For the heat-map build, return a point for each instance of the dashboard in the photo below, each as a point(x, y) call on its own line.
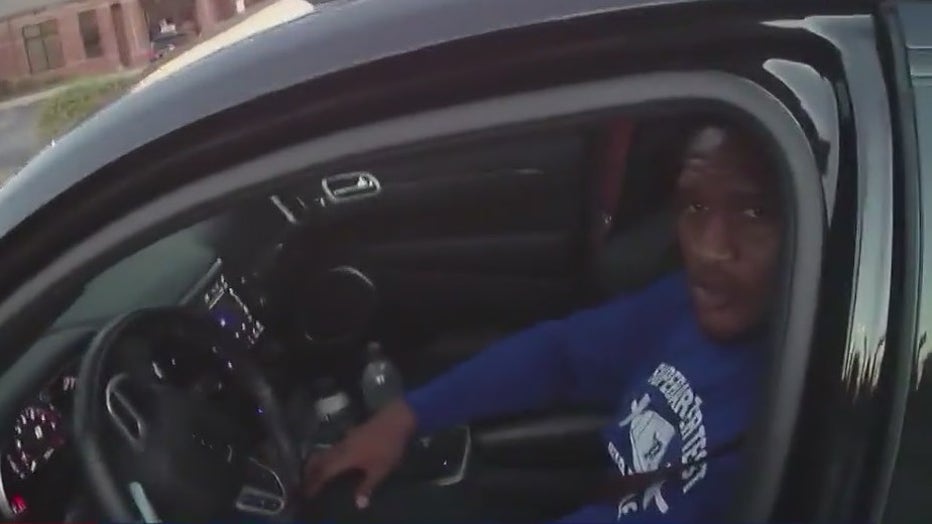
point(38, 459)
point(215, 266)
point(39, 438)
point(299, 320)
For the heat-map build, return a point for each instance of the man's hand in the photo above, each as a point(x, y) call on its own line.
point(373, 449)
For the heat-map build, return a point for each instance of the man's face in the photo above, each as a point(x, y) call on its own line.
point(730, 228)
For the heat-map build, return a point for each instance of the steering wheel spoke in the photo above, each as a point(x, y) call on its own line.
point(125, 411)
point(263, 492)
point(142, 503)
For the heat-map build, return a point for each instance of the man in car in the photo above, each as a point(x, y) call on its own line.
point(679, 362)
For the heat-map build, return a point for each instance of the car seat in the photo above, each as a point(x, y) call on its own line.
point(633, 236)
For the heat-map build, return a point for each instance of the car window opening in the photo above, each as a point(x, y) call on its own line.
point(573, 320)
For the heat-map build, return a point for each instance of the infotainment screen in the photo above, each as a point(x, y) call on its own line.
point(231, 313)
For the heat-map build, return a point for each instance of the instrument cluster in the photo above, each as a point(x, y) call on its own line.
point(37, 445)
point(38, 462)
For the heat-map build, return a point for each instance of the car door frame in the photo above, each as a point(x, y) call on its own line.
point(199, 197)
point(901, 43)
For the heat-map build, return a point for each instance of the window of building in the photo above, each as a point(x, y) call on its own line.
point(90, 34)
point(43, 46)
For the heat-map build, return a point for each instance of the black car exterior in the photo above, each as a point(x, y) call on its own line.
point(854, 76)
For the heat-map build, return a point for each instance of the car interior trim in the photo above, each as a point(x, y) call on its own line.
point(513, 434)
point(350, 270)
point(896, 29)
point(247, 490)
point(142, 502)
point(349, 187)
point(209, 277)
point(460, 472)
point(112, 397)
point(288, 214)
point(6, 509)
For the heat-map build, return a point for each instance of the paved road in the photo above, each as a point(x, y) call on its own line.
point(18, 137)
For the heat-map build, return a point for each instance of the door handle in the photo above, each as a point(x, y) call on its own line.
point(350, 186)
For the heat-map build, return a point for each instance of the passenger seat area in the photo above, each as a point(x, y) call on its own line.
point(633, 235)
point(630, 239)
point(553, 459)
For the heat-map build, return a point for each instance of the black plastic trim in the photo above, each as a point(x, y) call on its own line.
point(899, 70)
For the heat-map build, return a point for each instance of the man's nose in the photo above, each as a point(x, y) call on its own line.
point(714, 242)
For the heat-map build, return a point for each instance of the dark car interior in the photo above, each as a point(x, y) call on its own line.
point(430, 256)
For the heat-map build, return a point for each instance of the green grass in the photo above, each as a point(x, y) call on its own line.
point(25, 86)
point(67, 108)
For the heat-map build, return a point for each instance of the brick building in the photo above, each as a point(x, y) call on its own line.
point(62, 38)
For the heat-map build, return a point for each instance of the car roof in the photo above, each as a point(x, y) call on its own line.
point(270, 61)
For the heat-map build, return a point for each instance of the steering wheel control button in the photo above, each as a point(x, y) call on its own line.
point(251, 500)
point(214, 447)
point(261, 502)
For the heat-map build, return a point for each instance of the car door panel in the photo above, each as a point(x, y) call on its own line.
point(542, 441)
point(467, 236)
point(456, 299)
point(531, 254)
point(519, 199)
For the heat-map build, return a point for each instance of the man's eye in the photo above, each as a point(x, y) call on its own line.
point(694, 207)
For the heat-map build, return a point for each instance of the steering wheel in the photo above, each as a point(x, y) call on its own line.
point(157, 450)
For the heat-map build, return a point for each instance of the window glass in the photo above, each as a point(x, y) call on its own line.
point(55, 52)
point(43, 46)
point(35, 51)
point(49, 27)
point(90, 34)
point(31, 31)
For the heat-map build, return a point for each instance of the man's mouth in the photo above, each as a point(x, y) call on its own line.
point(710, 297)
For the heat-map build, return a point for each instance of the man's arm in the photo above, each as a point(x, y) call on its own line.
point(583, 358)
point(587, 357)
point(522, 372)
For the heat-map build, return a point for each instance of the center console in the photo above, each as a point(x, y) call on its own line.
point(228, 309)
point(218, 296)
point(322, 412)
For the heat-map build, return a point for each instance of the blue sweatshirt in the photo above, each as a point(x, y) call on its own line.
point(676, 395)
